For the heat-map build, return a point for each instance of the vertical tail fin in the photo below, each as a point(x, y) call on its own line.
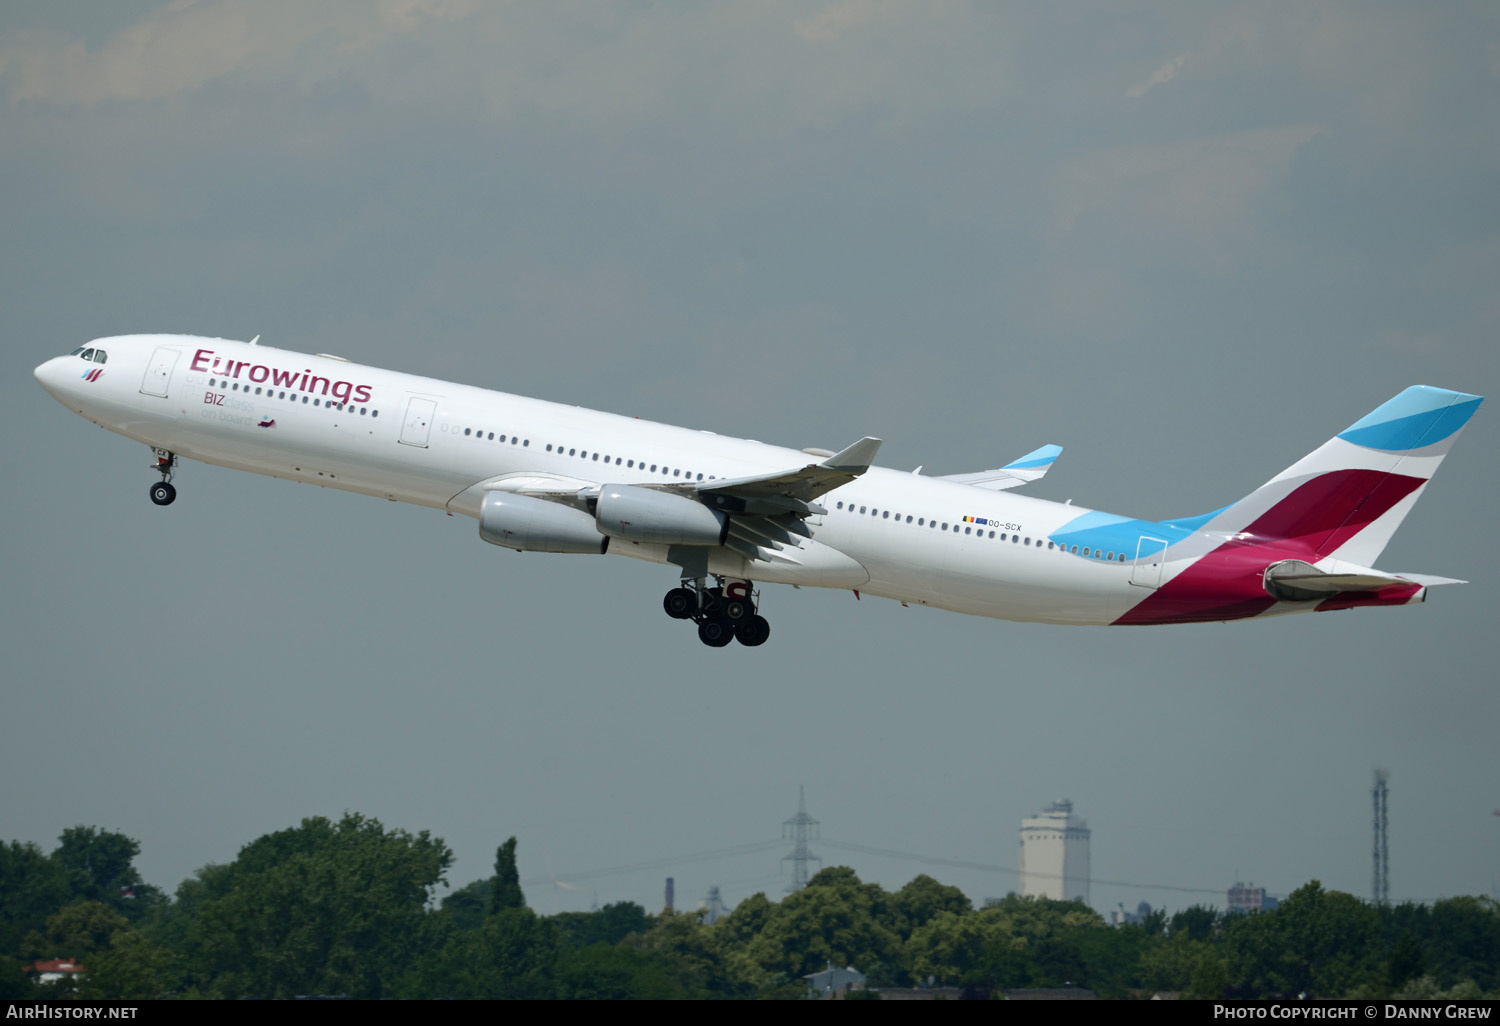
point(1347, 497)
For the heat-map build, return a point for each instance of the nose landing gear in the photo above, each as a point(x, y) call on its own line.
point(723, 614)
point(163, 493)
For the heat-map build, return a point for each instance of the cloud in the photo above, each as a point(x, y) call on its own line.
point(838, 19)
point(1160, 76)
point(189, 43)
point(1198, 194)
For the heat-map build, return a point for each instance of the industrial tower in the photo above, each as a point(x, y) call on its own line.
point(1055, 854)
point(1382, 886)
point(800, 828)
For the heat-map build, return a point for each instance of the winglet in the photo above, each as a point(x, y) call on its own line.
point(1038, 459)
point(856, 459)
point(1030, 467)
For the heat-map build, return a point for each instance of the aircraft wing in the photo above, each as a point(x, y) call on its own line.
point(1028, 468)
point(770, 508)
point(792, 490)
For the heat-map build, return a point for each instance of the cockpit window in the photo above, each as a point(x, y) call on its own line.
point(88, 354)
point(100, 356)
point(76, 351)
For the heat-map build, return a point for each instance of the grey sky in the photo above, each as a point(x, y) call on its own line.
point(1187, 242)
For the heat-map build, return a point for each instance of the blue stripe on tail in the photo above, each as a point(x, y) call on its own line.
point(1419, 416)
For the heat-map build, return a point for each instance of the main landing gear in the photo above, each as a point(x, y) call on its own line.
point(723, 613)
point(166, 463)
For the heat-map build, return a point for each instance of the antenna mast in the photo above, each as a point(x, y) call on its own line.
point(1381, 854)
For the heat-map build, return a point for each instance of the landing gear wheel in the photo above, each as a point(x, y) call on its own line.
point(715, 633)
point(753, 631)
point(735, 610)
point(163, 493)
point(680, 604)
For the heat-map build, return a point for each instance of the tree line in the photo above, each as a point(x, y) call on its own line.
point(349, 907)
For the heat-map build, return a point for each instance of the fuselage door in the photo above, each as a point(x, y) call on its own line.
point(159, 372)
point(418, 423)
point(1150, 555)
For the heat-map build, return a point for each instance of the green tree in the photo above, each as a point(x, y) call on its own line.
point(507, 887)
point(609, 925)
point(1048, 942)
point(101, 867)
point(130, 968)
point(1196, 922)
point(1464, 941)
point(1210, 978)
point(607, 972)
point(471, 903)
point(686, 951)
point(76, 931)
point(731, 938)
point(15, 985)
point(922, 898)
point(169, 925)
point(32, 887)
point(1110, 957)
point(1406, 963)
point(1170, 965)
point(324, 908)
point(510, 955)
point(950, 946)
point(835, 918)
point(1321, 943)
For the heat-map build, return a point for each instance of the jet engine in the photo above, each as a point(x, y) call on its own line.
point(647, 515)
point(536, 525)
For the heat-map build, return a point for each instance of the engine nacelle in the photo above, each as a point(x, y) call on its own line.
point(536, 525)
point(647, 515)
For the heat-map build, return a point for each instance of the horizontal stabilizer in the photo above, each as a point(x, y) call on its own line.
point(1028, 468)
point(1429, 580)
point(1293, 580)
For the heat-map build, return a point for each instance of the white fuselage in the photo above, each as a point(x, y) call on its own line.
point(227, 403)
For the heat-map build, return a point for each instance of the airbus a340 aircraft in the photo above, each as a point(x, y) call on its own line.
point(543, 477)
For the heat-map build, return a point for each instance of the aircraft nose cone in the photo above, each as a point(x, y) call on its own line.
point(51, 374)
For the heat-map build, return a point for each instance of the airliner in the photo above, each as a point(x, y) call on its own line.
point(728, 513)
